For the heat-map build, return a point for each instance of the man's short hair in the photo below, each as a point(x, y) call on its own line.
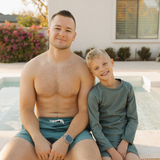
point(95, 53)
point(64, 13)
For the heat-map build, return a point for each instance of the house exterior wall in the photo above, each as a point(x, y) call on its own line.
point(96, 26)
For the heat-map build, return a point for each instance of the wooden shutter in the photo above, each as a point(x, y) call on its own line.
point(126, 19)
point(148, 19)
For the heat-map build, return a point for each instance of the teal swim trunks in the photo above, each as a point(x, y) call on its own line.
point(53, 129)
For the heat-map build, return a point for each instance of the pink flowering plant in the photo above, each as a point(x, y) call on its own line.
point(18, 45)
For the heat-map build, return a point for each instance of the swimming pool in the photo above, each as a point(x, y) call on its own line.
point(148, 106)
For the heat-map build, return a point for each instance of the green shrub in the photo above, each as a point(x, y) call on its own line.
point(27, 21)
point(79, 53)
point(144, 53)
point(18, 45)
point(111, 52)
point(123, 53)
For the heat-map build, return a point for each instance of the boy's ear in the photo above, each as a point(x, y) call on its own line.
point(112, 61)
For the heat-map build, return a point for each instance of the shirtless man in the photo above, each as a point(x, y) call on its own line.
point(58, 83)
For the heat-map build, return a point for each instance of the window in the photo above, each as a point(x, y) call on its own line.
point(137, 19)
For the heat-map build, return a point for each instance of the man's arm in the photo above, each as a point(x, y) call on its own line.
point(27, 102)
point(81, 119)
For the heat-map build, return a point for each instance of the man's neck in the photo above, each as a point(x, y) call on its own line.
point(58, 56)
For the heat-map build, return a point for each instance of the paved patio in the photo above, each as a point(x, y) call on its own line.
point(147, 141)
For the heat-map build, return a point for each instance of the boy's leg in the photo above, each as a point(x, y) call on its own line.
point(18, 149)
point(131, 156)
point(86, 149)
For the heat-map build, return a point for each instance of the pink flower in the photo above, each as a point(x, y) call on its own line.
point(4, 32)
point(37, 44)
point(7, 24)
point(15, 32)
point(12, 40)
point(42, 35)
point(22, 37)
point(14, 46)
point(29, 34)
point(25, 44)
point(23, 32)
point(5, 39)
point(20, 28)
point(4, 56)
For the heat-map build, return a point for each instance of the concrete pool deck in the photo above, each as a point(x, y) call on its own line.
point(146, 141)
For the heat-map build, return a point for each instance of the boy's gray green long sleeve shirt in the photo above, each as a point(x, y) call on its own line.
point(112, 114)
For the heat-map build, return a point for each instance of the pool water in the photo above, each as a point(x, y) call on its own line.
point(148, 107)
point(9, 106)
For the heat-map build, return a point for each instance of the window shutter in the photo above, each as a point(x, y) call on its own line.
point(126, 19)
point(148, 19)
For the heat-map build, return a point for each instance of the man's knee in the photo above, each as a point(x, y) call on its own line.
point(106, 158)
point(86, 149)
point(17, 148)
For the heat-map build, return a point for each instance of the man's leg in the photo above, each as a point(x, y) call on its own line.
point(131, 156)
point(18, 149)
point(86, 149)
point(106, 158)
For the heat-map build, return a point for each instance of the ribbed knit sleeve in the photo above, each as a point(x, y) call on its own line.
point(132, 118)
point(96, 128)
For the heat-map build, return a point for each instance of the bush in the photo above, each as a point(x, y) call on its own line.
point(79, 53)
point(144, 53)
point(110, 52)
point(18, 45)
point(124, 53)
point(27, 21)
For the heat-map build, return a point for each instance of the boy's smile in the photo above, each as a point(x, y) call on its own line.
point(105, 73)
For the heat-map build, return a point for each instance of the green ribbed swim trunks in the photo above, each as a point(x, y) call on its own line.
point(53, 129)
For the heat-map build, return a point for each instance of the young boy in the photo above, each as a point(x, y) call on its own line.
point(112, 110)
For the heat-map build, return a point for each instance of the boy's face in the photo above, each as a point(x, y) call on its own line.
point(101, 67)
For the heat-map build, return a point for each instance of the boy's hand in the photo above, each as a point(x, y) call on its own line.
point(114, 154)
point(122, 148)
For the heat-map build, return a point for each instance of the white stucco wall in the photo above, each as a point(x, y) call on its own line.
point(96, 26)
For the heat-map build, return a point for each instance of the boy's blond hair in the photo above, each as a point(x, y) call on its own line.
point(95, 53)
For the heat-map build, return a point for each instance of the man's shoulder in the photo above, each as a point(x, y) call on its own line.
point(78, 60)
point(34, 63)
point(80, 64)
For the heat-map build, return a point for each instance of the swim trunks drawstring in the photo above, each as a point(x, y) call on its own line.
point(58, 120)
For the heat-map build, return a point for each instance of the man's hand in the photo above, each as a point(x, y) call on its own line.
point(59, 150)
point(42, 147)
point(122, 148)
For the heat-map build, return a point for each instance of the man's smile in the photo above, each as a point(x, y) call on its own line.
point(60, 39)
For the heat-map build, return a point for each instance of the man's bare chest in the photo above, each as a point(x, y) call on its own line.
point(64, 81)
